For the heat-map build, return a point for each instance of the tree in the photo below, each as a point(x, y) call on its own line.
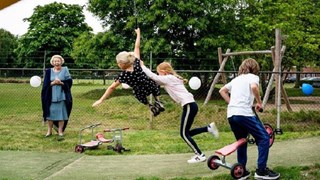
point(190, 31)
point(186, 32)
point(97, 51)
point(8, 42)
point(53, 29)
point(298, 21)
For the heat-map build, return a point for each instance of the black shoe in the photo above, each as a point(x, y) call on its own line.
point(48, 135)
point(266, 174)
point(155, 111)
point(245, 175)
point(61, 137)
point(159, 105)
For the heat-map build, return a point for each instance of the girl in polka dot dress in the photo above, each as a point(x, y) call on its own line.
point(134, 76)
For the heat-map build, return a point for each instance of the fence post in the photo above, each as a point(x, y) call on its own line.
point(44, 63)
point(151, 117)
point(279, 78)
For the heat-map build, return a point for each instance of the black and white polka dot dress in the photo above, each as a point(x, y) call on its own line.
point(141, 84)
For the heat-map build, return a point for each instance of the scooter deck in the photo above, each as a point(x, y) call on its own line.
point(101, 138)
point(225, 151)
point(91, 144)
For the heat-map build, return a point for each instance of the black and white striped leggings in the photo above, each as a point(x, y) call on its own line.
point(190, 110)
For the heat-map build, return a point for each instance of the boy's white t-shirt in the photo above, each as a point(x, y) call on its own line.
point(241, 95)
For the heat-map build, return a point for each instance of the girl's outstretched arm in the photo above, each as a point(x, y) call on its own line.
point(137, 44)
point(108, 92)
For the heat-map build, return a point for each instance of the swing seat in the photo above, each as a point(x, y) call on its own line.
point(225, 151)
point(101, 138)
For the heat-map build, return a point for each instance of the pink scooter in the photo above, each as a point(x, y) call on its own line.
point(237, 170)
point(93, 144)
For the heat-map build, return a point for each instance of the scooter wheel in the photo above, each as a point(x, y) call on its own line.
point(79, 149)
point(211, 162)
point(237, 171)
point(119, 148)
point(270, 131)
point(251, 141)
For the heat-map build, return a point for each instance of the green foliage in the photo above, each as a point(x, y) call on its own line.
point(53, 29)
point(185, 31)
point(8, 43)
point(97, 51)
point(182, 31)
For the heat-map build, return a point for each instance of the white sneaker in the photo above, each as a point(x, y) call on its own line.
point(197, 158)
point(213, 130)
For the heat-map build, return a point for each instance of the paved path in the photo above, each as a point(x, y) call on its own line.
point(286, 153)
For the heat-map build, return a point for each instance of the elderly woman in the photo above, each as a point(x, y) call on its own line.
point(56, 96)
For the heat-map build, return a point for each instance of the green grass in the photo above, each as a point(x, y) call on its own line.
point(292, 173)
point(22, 129)
point(21, 120)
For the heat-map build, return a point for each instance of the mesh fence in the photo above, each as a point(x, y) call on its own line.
point(20, 103)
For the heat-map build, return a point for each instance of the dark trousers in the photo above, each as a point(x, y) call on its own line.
point(189, 112)
point(244, 125)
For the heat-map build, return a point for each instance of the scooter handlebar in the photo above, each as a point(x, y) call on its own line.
point(116, 129)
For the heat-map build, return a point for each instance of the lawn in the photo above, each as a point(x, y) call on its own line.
point(22, 128)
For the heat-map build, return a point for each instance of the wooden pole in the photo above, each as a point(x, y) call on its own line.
point(278, 78)
point(283, 91)
point(246, 53)
point(216, 78)
point(223, 76)
point(269, 87)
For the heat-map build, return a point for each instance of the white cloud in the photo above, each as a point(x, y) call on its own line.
point(11, 18)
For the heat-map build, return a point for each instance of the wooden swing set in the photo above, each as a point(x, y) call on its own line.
point(276, 53)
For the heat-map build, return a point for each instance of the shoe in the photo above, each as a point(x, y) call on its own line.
point(266, 174)
point(159, 105)
point(48, 135)
point(61, 137)
point(245, 175)
point(155, 111)
point(197, 158)
point(213, 130)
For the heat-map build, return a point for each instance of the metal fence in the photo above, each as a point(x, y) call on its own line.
point(20, 103)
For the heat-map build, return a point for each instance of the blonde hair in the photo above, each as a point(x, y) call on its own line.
point(167, 68)
point(125, 57)
point(249, 66)
point(56, 56)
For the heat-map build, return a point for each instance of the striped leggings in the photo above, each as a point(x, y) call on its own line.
point(189, 112)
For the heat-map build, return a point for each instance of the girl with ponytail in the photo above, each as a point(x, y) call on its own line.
point(174, 85)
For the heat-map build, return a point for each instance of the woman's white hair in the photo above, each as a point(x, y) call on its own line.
point(125, 57)
point(56, 56)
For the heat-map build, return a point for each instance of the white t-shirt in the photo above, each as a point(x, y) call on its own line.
point(241, 96)
point(173, 85)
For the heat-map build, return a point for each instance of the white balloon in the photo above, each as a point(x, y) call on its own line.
point(194, 83)
point(35, 81)
point(125, 86)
